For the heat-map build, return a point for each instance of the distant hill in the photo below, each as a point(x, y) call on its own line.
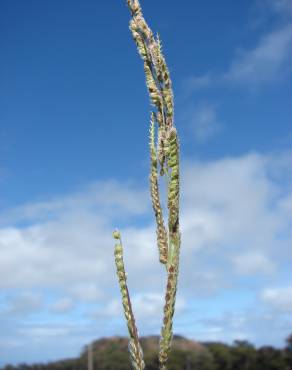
point(112, 354)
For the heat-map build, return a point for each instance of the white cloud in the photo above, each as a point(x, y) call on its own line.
point(242, 324)
point(253, 263)
point(107, 198)
point(86, 292)
point(147, 308)
point(198, 82)
point(52, 254)
point(68, 241)
point(226, 201)
point(226, 208)
point(145, 305)
point(40, 332)
point(62, 305)
point(279, 298)
point(150, 305)
point(283, 7)
point(22, 303)
point(266, 62)
point(203, 121)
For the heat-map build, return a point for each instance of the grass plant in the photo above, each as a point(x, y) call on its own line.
point(164, 162)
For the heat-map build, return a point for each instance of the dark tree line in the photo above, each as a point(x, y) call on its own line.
point(112, 354)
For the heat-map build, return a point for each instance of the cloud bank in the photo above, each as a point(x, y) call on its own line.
point(58, 275)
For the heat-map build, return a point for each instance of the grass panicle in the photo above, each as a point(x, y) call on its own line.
point(164, 162)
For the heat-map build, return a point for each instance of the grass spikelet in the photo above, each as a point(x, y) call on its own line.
point(136, 354)
point(162, 240)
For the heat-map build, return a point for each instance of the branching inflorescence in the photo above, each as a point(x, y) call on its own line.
point(164, 159)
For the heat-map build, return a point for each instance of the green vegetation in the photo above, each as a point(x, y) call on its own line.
point(111, 354)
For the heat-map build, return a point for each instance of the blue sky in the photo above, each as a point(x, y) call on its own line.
point(74, 117)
